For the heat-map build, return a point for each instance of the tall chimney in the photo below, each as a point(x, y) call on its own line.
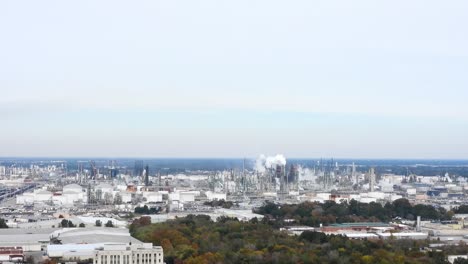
point(146, 175)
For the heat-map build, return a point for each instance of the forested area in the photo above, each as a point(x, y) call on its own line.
point(314, 214)
point(197, 239)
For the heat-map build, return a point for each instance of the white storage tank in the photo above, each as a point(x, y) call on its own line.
point(187, 197)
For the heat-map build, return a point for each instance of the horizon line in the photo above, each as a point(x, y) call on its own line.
point(224, 158)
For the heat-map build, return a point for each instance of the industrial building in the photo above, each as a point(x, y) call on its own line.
point(37, 239)
point(11, 254)
point(71, 194)
point(358, 227)
point(104, 253)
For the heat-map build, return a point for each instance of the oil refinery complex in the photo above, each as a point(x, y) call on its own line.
point(52, 207)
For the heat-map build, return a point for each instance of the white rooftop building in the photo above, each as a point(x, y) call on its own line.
point(215, 196)
point(107, 253)
point(37, 239)
point(153, 197)
point(70, 195)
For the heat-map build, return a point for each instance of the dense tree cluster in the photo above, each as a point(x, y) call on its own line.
point(462, 209)
point(197, 239)
point(220, 203)
point(66, 223)
point(145, 210)
point(314, 214)
point(109, 223)
point(3, 223)
point(460, 261)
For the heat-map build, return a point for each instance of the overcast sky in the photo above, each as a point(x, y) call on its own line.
point(213, 78)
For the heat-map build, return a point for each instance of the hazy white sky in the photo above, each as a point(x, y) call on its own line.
point(211, 78)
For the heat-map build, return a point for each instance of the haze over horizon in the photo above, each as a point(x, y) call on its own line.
point(361, 79)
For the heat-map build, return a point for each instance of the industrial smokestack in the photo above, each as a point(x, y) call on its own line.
point(372, 179)
point(354, 176)
point(418, 223)
point(146, 175)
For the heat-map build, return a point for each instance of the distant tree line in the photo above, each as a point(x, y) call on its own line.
point(314, 214)
point(146, 210)
point(422, 170)
point(462, 209)
point(219, 203)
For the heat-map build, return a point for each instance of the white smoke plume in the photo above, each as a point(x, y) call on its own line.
point(306, 174)
point(260, 164)
point(263, 162)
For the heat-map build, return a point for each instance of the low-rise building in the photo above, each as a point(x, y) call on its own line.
point(403, 235)
point(297, 230)
point(107, 253)
point(359, 227)
point(11, 254)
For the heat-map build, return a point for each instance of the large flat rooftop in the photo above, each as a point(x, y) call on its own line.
point(30, 236)
point(361, 224)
